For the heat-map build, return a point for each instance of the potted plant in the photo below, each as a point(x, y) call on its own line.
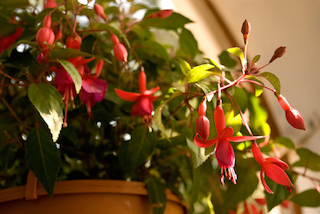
point(91, 93)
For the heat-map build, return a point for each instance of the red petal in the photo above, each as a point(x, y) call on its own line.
point(128, 96)
point(243, 138)
point(146, 106)
point(276, 173)
point(280, 163)
point(135, 109)
point(257, 153)
point(150, 92)
point(204, 143)
point(219, 119)
point(99, 67)
point(264, 183)
point(226, 133)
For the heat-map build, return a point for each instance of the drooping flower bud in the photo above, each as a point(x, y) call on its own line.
point(245, 30)
point(114, 39)
point(295, 119)
point(120, 52)
point(45, 37)
point(164, 13)
point(219, 118)
point(203, 126)
point(98, 9)
point(50, 4)
point(202, 108)
point(47, 21)
point(283, 102)
point(278, 53)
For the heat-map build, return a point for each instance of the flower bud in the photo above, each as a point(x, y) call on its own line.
point(98, 9)
point(154, 15)
point(295, 119)
point(283, 102)
point(245, 30)
point(114, 39)
point(47, 21)
point(45, 34)
point(203, 126)
point(74, 42)
point(50, 4)
point(120, 52)
point(278, 53)
point(164, 13)
point(219, 118)
point(202, 108)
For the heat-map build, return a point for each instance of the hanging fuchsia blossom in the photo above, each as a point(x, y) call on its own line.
point(144, 99)
point(273, 168)
point(223, 151)
point(92, 89)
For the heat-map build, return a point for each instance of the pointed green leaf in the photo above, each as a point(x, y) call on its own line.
point(150, 49)
point(188, 44)
point(308, 159)
point(48, 102)
point(237, 52)
point(198, 73)
point(42, 157)
point(67, 53)
point(213, 63)
point(285, 142)
point(184, 65)
point(74, 74)
point(273, 79)
point(255, 59)
point(157, 119)
point(308, 198)
point(195, 189)
point(157, 195)
point(226, 60)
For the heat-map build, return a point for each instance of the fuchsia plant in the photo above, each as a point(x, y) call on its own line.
point(146, 111)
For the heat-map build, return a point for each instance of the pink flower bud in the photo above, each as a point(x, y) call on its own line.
point(50, 4)
point(295, 119)
point(283, 102)
point(47, 21)
point(278, 53)
point(74, 42)
point(98, 9)
point(203, 126)
point(45, 34)
point(114, 39)
point(202, 108)
point(164, 13)
point(120, 52)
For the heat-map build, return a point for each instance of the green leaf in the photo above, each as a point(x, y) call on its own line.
point(214, 63)
point(166, 143)
point(237, 52)
point(42, 157)
point(308, 198)
point(257, 88)
point(14, 3)
point(198, 73)
point(258, 115)
point(173, 22)
point(188, 44)
point(226, 60)
point(117, 32)
point(198, 153)
point(308, 159)
point(135, 7)
point(73, 72)
point(67, 53)
point(184, 65)
point(195, 189)
point(280, 194)
point(48, 102)
point(241, 98)
point(255, 59)
point(285, 142)
point(157, 118)
point(137, 150)
point(149, 49)
point(273, 79)
point(157, 195)
point(232, 119)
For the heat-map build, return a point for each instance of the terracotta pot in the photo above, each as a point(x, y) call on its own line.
point(83, 196)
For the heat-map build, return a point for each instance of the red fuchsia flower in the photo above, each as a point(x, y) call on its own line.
point(50, 4)
point(144, 99)
point(293, 116)
point(273, 168)
point(119, 50)
point(251, 209)
point(6, 42)
point(92, 89)
point(223, 151)
point(98, 9)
